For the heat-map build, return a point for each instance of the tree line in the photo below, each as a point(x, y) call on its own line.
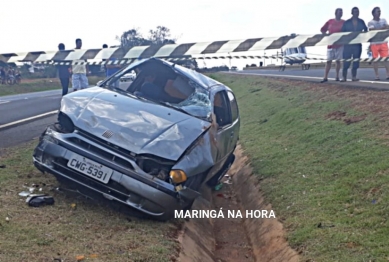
point(160, 36)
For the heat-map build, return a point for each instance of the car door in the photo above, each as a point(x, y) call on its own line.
point(235, 121)
point(223, 119)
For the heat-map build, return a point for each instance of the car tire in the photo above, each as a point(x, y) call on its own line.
point(219, 175)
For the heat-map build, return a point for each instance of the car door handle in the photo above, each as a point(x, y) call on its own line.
point(232, 133)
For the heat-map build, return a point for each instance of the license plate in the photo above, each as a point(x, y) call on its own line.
point(90, 168)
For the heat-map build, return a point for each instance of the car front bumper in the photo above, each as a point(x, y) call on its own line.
point(129, 186)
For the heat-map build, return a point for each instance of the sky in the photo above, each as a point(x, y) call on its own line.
point(40, 25)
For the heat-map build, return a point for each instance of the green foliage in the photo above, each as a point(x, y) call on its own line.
point(132, 37)
point(326, 180)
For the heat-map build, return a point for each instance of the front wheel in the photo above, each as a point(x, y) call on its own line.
point(194, 183)
point(219, 175)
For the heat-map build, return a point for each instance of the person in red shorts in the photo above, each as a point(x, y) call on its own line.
point(379, 49)
point(334, 52)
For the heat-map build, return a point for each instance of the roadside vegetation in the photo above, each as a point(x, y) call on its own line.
point(74, 228)
point(36, 85)
point(321, 155)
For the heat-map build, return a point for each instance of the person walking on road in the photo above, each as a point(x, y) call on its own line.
point(354, 51)
point(334, 52)
point(63, 73)
point(379, 49)
point(79, 78)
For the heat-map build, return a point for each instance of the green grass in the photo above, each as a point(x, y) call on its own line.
point(36, 85)
point(61, 231)
point(317, 170)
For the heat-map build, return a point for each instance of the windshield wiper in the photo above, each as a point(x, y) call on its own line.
point(174, 107)
point(120, 91)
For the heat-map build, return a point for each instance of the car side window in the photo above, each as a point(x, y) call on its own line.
point(221, 109)
point(233, 106)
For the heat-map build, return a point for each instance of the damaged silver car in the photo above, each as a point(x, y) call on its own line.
point(150, 144)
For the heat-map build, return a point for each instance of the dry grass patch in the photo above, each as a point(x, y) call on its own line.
point(74, 226)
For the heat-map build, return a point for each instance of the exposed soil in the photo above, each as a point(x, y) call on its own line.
point(232, 242)
point(266, 235)
point(235, 239)
point(340, 115)
point(337, 115)
point(354, 119)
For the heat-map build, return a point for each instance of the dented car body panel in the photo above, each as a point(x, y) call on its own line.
point(139, 126)
point(152, 155)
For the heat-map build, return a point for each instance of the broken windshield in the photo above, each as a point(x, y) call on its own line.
point(173, 88)
point(197, 104)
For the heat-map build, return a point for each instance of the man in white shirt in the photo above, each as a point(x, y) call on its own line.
point(379, 49)
point(79, 79)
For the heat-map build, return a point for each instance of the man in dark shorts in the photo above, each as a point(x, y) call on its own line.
point(354, 24)
point(63, 73)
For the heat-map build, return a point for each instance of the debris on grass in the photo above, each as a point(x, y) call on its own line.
point(228, 181)
point(39, 200)
point(219, 186)
point(24, 194)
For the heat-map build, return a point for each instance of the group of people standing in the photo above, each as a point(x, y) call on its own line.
point(78, 72)
point(8, 73)
point(354, 51)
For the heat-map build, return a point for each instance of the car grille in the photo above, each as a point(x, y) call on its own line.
point(106, 144)
point(100, 152)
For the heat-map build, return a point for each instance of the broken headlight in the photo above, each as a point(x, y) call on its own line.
point(154, 166)
point(66, 124)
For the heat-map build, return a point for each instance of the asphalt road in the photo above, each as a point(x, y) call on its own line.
point(17, 107)
point(25, 116)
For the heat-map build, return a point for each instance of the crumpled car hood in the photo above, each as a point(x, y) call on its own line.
point(139, 126)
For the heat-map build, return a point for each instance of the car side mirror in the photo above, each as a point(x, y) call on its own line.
point(99, 83)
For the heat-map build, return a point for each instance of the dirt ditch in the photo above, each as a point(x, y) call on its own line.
point(235, 239)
